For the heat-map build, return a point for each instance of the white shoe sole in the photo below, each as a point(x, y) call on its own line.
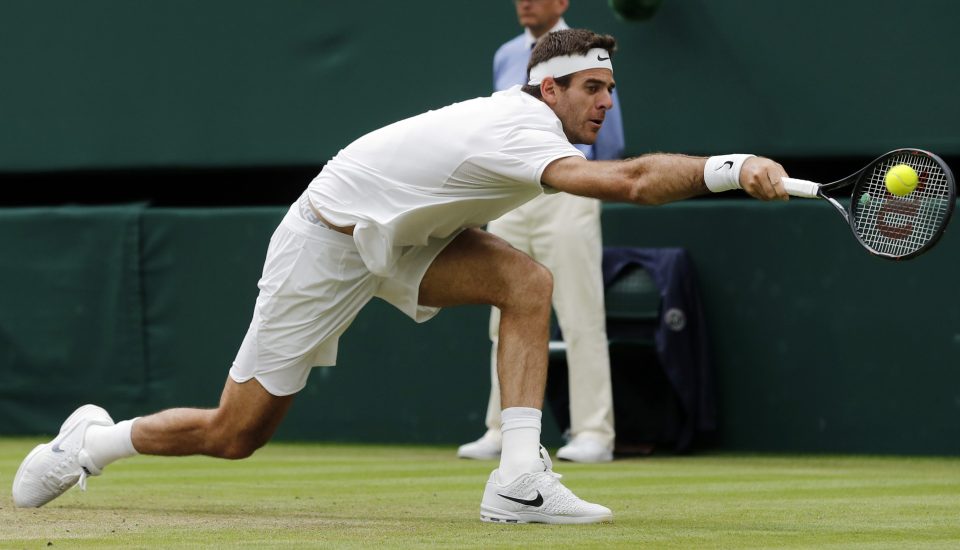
point(587, 460)
point(494, 515)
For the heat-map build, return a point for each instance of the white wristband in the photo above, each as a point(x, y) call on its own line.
point(722, 173)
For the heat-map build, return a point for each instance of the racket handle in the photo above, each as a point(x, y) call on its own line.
point(800, 188)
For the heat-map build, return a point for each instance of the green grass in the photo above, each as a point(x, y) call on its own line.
point(337, 496)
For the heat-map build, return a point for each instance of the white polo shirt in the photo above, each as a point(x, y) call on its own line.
point(434, 174)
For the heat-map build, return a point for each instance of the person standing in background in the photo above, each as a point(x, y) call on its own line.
point(562, 232)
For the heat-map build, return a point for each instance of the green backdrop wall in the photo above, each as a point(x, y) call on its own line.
point(818, 346)
point(173, 83)
point(142, 308)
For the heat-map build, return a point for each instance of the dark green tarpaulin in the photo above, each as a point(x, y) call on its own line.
point(71, 312)
point(818, 346)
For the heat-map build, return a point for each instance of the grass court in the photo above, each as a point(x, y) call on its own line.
point(366, 496)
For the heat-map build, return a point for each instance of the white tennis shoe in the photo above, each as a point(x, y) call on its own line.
point(52, 468)
point(585, 449)
point(485, 448)
point(537, 497)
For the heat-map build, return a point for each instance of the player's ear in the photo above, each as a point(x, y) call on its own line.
point(548, 91)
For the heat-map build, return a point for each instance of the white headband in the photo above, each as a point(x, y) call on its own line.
point(597, 58)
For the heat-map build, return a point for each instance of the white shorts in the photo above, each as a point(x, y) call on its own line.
point(313, 286)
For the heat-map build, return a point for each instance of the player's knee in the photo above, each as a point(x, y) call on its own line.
point(241, 449)
point(241, 446)
point(235, 443)
point(542, 281)
point(532, 289)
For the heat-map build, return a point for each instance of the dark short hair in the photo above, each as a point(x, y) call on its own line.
point(566, 42)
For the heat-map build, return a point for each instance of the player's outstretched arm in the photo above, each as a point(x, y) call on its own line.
point(657, 178)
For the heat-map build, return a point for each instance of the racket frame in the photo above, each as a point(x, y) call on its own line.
point(810, 189)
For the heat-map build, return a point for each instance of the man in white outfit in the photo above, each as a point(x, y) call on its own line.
point(395, 215)
point(562, 232)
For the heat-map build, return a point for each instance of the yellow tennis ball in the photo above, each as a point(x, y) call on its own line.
point(901, 180)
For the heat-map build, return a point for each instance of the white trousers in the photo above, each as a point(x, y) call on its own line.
point(562, 232)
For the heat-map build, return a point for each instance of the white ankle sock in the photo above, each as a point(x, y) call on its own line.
point(521, 442)
point(105, 444)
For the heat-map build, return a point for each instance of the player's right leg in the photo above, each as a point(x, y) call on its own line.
point(570, 245)
point(479, 268)
point(512, 227)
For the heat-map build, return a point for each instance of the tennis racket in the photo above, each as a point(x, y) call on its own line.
point(892, 227)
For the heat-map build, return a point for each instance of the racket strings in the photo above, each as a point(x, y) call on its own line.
point(898, 226)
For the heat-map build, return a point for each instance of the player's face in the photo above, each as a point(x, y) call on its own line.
point(583, 106)
point(540, 15)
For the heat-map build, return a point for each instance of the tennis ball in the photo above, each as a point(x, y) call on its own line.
point(635, 10)
point(901, 180)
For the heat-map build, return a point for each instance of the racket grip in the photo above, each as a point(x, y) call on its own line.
point(800, 188)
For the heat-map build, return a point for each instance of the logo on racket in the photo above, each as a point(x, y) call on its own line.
point(905, 211)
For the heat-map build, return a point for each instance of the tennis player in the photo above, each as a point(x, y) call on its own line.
point(396, 215)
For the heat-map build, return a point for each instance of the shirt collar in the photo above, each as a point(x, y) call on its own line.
point(529, 40)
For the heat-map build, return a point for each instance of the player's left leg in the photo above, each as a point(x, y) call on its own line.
point(314, 283)
point(246, 418)
point(89, 440)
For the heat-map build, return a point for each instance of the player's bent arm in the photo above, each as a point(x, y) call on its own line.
point(656, 178)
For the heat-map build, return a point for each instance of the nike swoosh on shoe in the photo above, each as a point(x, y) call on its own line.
point(535, 502)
